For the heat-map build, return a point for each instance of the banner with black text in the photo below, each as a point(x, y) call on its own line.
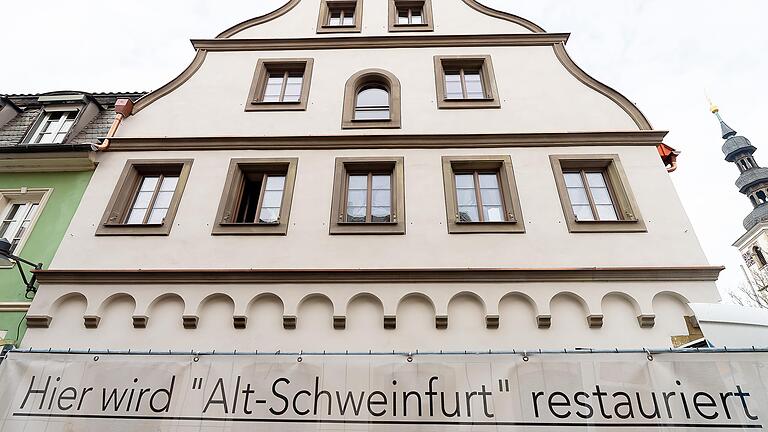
point(423, 393)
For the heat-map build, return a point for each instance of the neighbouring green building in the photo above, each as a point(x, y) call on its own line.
point(46, 162)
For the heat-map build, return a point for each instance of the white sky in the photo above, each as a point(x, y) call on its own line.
point(663, 55)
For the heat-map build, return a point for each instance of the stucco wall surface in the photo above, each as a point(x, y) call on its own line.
point(537, 94)
point(48, 231)
point(670, 240)
point(450, 17)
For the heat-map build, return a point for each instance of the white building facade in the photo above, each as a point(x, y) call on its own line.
point(377, 175)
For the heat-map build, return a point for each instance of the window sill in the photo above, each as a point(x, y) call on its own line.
point(607, 226)
point(276, 106)
point(367, 223)
point(133, 230)
point(368, 228)
point(370, 124)
point(411, 27)
point(509, 227)
point(250, 229)
point(338, 29)
point(468, 103)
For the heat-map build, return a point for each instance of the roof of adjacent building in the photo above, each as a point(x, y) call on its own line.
point(30, 108)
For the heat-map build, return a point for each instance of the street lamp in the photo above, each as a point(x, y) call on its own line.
point(5, 254)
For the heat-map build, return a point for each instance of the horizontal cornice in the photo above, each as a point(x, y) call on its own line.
point(368, 42)
point(325, 142)
point(47, 162)
point(253, 276)
point(14, 306)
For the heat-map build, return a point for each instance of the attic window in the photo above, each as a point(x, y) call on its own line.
point(410, 15)
point(337, 16)
point(53, 127)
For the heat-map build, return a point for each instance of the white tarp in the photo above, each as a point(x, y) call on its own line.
point(430, 393)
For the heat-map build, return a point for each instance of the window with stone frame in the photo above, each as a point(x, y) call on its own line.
point(257, 197)
point(481, 195)
point(595, 194)
point(368, 196)
point(146, 198)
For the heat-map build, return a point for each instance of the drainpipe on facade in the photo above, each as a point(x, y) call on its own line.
point(123, 109)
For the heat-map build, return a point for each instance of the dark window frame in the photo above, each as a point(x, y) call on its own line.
point(231, 196)
point(351, 165)
point(502, 166)
point(121, 201)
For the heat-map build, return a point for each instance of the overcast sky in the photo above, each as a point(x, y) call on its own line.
point(663, 55)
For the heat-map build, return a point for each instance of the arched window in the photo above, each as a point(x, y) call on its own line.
point(372, 103)
point(371, 100)
point(758, 252)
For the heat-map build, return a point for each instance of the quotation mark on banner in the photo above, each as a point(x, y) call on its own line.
point(504, 385)
point(197, 384)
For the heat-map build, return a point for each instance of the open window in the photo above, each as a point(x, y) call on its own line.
point(368, 196)
point(257, 197)
point(19, 210)
point(595, 194)
point(481, 195)
point(466, 82)
point(146, 198)
point(410, 15)
point(340, 16)
point(280, 85)
point(371, 100)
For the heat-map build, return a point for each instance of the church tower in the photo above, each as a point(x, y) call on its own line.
point(752, 182)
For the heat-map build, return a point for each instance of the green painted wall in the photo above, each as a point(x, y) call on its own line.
point(44, 240)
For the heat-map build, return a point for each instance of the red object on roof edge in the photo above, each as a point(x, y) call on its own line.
point(668, 156)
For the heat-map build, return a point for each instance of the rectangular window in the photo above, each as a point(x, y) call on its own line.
point(280, 85)
point(410, 15)
point(368, 196)
point(146, 198)
point(481, 195)
point(589, 195)
point(478, 197)
point(595, 194)
point(19, 211)
point(153, 198)
point(339, 16)
point(53, 127)
point(257, 197)
point(17, 220)
point(465, 82)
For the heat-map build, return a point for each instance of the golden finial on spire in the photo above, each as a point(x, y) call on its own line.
point(712, 107)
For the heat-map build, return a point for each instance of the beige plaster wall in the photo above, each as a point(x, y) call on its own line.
point(414, 306)
point(537, 94)
point(450, 17)
point(670, 240)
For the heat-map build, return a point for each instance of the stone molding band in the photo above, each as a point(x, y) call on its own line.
point(254, 276)
point(332, 142)
point(374, 42)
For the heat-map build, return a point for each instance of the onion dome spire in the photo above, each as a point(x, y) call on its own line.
point(727, 131)
point(753, 179)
